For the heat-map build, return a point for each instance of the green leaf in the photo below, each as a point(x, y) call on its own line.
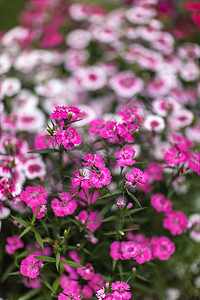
point(108, 219)
point(39, 239)
point(35, 213)
point(111, 233)
point(110, 194)
point(114, 263)
point(57, 260)
point(44, 151)
point(14, 273)
point(25, 253)
point(26, 230)
point(55, 284)
point(134, 198)
point(30, 294)
point(133, 211)
point(71, 263)
point(46, 258)
point(142, 278)
point(44, 280)
point(20, 221)
point(104, 210)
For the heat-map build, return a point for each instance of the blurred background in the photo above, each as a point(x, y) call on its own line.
point(10, 9)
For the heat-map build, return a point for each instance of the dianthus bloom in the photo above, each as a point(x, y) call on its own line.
point(194, 163)
point(65, 207)
point(80, 180)
point(99, 178)
point(160, 202)
point(62, 112)
point(14, 243)
point(30, 266)
point(35, 196)
point(162, 248)
point(125, 158)
point(93, 160)
point(175, 222)
point(120, 286)
point(88, 219)
point(137, 176)
point(68, 138)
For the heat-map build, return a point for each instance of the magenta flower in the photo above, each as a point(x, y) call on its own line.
point(14, 243)
point(144, 255)
point(68, 138)
point(162, 248)
point(175, 222)
point(62, 113)
point(65, 207)
point(137, 176)
point(121, 295)
point(115, 250)
point(161, 203)
point(93, 160)
point(173, 156)
point(120, 286)
point(30, 266)
point(100, 178)
point(109, 130)
point(35, 196)
point(125, 158)
point(88, 219)
point(129, 249)
point(80, 180)
point(194, 162)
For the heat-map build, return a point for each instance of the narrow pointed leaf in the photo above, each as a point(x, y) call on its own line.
point(44, 151)
point(134, 198)
point(116, 192)
point(71, 263)
point(26, 230)
point(55, 284)
point(35, 213)
point(20, 221)
point(57, 260)
point(30, 294)
point(39, 239)
point(46, 258)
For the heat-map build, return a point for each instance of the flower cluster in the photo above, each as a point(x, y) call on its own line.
point(111, 182)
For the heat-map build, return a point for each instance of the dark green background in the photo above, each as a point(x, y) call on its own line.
point(9, 12)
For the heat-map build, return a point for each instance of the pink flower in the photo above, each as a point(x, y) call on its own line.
point(65, 207)
point(126, 157)
point(121, 295)
point(87, 195)
point(14, 243)
point(130, 249)
point(155, 171)
point(161, 203)
point(194, 162)
point(86, 272)
point(62, 113)
point(125, 84)
point(120, 286)
point(137, 176)
point(115, 250)
point(173, 156)
point(7, 187)
point(80, 180)
point(124, 131)
point(108, 131)
point(30, 266)
point(96, 282)
point(162, 248)
point(144, 255)
point(100, 178)
point(175, 222)
point(93, 160)
point(88, 219)
point(68, 138)
point(181, 143)
point(35, 196)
